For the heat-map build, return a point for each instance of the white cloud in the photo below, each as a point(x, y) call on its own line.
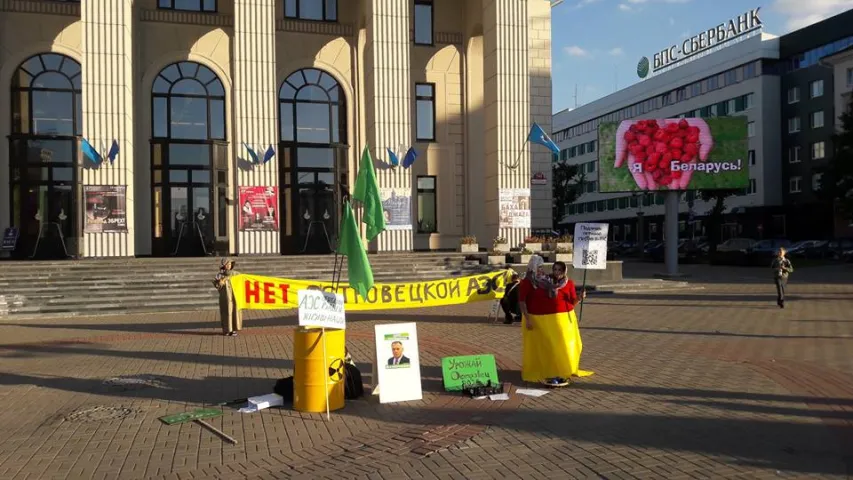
point(801, 14)
point(583, 3)
point(616, 52)
point(575, 51)
point(624, 8)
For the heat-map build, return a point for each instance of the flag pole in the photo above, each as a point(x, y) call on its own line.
point(518, 157)
point(326, 374)
point(583, 289)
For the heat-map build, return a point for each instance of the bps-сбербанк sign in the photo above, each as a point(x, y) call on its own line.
point(736, 27)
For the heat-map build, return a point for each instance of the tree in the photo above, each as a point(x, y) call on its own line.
point(836, 184)
point(567, 184)
point(715, 215)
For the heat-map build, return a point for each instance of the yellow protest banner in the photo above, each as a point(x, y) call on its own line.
point(254, 292)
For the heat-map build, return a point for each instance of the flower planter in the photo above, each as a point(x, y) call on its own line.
point(533, 247)
point(501, 247)
point(563, 257)
point(523, 258)
point(497, 259)
point(469, 248)
point(565, 245)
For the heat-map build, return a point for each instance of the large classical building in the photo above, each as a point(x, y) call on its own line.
point(187, 103)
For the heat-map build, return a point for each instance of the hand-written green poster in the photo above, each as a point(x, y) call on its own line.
point(459, 372)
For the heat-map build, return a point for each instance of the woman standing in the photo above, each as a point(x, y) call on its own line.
point(781, 269)
point(551, 338)
point(229, 314)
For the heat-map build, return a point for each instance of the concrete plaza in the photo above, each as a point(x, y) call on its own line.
point(713, 381)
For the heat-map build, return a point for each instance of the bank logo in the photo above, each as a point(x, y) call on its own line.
point(643, 67)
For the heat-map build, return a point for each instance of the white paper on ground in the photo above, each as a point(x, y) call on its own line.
point(499, 396)
point(531, 392)
point(262, 402)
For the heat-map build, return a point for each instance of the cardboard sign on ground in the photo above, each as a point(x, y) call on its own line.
point(459, 372)
point(397, 370)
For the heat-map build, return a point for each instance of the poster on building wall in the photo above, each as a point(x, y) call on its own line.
point(397, 206)
point(258, 209)
point(106, 208)
point(514, 208)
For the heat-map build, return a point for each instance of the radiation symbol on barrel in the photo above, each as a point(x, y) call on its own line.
point(336, 370)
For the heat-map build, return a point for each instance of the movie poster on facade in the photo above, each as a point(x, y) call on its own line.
point(673, 154)
point(106, 208)
point(258, 209)
point(397, 207)
point(514, 209)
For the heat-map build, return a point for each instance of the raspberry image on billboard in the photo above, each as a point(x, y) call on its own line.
point(673, 154)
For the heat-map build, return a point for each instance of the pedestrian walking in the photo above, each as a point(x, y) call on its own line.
point(782, 268)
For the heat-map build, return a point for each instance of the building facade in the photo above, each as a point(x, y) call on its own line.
point(737, 79)
point(191, 92)
point(808, 119)
point(842, 65)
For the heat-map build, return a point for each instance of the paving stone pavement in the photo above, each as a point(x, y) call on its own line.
point(710, 383)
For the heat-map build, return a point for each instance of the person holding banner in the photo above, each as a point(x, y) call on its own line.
point(551, 339)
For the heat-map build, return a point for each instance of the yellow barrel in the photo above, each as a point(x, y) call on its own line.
point(310, 376)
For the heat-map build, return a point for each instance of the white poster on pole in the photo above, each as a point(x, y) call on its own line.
point(397, 367)
point(590, 246)
point(514, 208)
point(321, 309)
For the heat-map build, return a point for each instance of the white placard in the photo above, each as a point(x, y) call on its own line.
point(514, 208)
point(397, 366)
point(590, 246)
point(321, 309)
point(397, 208)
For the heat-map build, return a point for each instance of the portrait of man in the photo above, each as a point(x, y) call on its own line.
point(398, 358)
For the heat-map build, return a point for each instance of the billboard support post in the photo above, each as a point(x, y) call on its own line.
point(671, 229)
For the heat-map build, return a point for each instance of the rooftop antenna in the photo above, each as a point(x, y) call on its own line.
point(576, 95)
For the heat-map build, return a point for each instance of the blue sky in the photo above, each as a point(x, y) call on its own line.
point(596, 43)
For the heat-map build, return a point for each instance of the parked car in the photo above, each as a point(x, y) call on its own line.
point(825, 250)
point(810, 249)
point(800, 248)
point(732, 252)
point(763, 251)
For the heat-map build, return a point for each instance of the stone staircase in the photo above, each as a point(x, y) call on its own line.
point(135, 285)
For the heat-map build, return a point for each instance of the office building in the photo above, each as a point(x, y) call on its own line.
point(177, 127)
point(729, 79)
point(809, 114)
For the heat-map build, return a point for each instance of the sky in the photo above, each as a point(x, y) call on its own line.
point(596, 44)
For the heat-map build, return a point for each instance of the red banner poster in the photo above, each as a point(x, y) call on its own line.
point(258, 209)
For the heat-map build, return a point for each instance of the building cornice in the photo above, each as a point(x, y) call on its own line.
point(68, 9)
point(316, 28)
point(186, 18)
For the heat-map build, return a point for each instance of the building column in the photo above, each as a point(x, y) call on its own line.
point(539, 47)
point(388, 85)
point(506, 103)
point(255, 119)
point(108, 84)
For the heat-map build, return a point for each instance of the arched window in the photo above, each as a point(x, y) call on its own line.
point(315, 99)
point(314, 168)
point(189, 167)
point(46, 124)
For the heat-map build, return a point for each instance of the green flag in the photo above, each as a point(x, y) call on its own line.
point(358, 267)
point(367, 192)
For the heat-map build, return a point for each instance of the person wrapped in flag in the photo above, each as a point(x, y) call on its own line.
point(551, 339)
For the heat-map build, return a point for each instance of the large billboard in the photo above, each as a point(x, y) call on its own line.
point(673, 154)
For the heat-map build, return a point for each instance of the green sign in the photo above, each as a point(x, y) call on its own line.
point(458, 372)
point(199, 414)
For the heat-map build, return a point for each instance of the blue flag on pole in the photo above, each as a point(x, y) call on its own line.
point(392, 158)
point(113, 153)
point(269, 154)
point(410, 157)
point(537, 135)
point(91, 153)
point(252, 153)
